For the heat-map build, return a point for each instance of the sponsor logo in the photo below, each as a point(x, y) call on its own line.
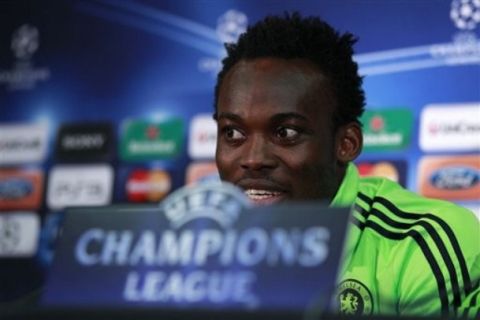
point(20, 189)
point(89, 141)
point(147, 185)
point(88, 185)
point(394, 170)
point(23, 143)
point(203, 137)
point(201, 173)
point(230, 26)
point(24, 76)
point(455, 178)
point(387, 129)
point(25, 41)
point(454, 127)
point(18, 234)
point(452, 178)
point(144, 140)
point(465, 14)
point(354, 298)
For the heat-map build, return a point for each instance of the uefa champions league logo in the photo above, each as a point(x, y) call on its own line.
point(24, 75)
point(218, 201)
point(465, 13)
point(25, 41)
point(231, 25)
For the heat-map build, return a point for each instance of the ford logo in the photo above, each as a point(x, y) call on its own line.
point(15, 188)
point(455, 178)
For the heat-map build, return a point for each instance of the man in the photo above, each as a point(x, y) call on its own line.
point(287, 104)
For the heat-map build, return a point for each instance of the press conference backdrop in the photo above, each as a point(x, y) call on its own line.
point(105, 102)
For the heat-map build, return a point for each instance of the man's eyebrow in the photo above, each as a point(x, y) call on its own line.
point(279, 117)
point(226, 115)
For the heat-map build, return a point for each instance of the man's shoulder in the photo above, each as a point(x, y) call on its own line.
point(407, 210)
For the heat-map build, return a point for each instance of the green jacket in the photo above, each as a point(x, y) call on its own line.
point(406, 254)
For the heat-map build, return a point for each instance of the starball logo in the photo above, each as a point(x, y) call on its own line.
point(24, 76)
point(465, 14)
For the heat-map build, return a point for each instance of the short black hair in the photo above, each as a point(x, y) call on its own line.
point(292, 36)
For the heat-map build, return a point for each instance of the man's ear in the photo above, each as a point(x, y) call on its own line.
point(349, 142)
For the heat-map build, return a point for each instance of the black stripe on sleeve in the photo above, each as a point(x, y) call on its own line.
point(365, 199)
point(446, 228)
point(438, 242)
point(471, 306)
point(427, 253)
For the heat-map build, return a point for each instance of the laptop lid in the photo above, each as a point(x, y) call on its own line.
point(204, 248)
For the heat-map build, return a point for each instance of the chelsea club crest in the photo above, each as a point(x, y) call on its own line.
point(354, 298)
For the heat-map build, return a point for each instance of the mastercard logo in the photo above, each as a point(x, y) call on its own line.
point(147, 185)
point(379, 169)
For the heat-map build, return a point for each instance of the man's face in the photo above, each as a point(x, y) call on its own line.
point(275, 136)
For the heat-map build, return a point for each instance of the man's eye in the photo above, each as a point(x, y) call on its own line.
point(287, 133)
point(233, 134)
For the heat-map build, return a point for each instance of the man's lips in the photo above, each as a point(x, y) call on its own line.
point(262, 192)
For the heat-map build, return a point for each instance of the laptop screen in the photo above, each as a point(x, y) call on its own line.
point(202, 249)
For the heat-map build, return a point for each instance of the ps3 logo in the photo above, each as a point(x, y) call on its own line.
point(69, 191)
point(86, 185)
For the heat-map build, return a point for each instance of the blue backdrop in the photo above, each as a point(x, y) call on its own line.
point(91, 61)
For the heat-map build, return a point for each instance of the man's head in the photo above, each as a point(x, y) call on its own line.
point(287, 104)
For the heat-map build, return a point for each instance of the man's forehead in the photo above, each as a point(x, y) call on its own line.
point(275, 85)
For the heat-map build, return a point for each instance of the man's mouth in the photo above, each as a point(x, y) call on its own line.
point(264, 197)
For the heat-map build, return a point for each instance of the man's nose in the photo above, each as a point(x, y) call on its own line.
point(257, 154)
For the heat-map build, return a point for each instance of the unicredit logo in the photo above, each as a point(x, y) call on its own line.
point(203, 137)
point(455, 128)
point(450, 127)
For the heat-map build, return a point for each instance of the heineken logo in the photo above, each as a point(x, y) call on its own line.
point(143, 140)
point(387, 129)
